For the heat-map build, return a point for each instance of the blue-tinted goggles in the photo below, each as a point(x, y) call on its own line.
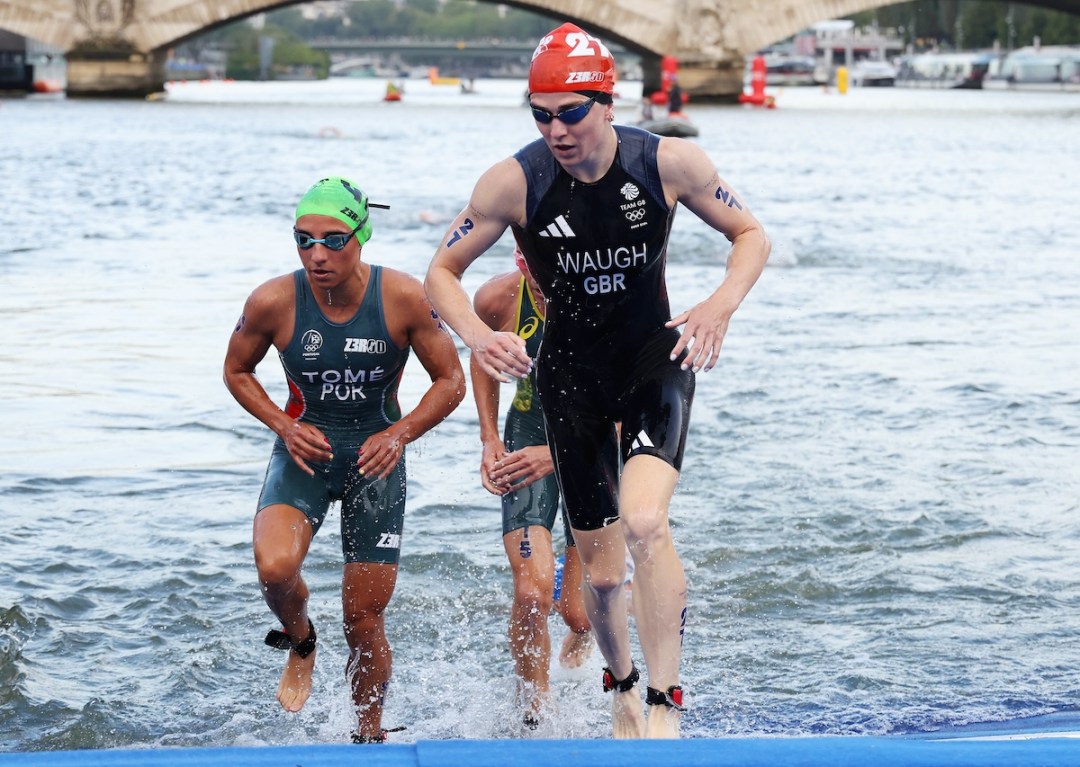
point(333, 241)
point(569, 116)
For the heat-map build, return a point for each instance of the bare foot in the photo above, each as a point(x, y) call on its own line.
point(627, 720)
point(295, 686)
point(663, 722)
point(576, 649)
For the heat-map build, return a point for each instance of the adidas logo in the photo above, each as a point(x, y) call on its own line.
point(558, 228)
point(641, 440)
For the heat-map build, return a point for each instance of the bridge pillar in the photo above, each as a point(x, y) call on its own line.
point(712, 82)
point(705, 81)
point(116, 70)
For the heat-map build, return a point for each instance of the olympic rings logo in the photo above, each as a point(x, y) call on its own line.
point(312, 340)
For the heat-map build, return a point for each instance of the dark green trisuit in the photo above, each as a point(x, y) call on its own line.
point(343, 378)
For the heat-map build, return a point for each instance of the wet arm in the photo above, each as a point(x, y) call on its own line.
point(690, 178)
point(425, 335)
point(494, 205)
point(493, 303)
point(250, 341)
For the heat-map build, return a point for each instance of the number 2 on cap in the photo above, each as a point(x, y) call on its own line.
point(583, 45)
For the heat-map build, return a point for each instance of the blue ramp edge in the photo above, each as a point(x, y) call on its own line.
point(853, 751)
point(1057, 723)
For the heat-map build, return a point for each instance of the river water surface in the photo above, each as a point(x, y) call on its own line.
point(880, 507)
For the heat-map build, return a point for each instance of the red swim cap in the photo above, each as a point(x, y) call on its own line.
point(570, 59)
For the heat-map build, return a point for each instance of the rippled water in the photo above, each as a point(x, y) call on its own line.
point(879, 507)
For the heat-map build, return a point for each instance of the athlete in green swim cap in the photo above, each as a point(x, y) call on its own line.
point(343, 329)
point(341, 199)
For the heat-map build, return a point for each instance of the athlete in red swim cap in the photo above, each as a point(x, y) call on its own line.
point(570, 59)
point(592, 205)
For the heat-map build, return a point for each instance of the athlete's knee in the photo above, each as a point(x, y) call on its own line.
point(277, 569)
point(363, 623)
point(574, 616)
point(533, 594)
point(603, 581)
point(645, 529)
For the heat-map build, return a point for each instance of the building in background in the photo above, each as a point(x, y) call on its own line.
point(29, 66)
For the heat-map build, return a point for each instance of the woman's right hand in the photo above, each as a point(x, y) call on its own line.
point(493, 453)
point(306, 443)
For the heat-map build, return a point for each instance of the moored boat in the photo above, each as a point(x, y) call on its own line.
point(1037, 68)
point(873, 74)
point(436, 79)
point(28, 66)
point(954, 70)
point(783, 70)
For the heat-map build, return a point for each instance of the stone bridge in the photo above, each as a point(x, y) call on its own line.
point(118, 47)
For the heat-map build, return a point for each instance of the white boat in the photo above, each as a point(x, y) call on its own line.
point(782, 70)
point(957, 70)
point(872, 74)
point(1044, 68)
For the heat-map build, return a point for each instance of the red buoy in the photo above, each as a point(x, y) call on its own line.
point(757, 95)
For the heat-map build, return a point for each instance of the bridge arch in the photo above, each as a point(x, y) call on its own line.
point(708, 37)
point(674, 27)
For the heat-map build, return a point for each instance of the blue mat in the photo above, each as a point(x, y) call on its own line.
point(854, 751)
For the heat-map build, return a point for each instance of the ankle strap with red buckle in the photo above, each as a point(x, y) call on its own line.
point(672, 698)
point(611, 683)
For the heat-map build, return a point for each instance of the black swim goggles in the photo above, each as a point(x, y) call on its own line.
point(569, 116)
point(335, 241)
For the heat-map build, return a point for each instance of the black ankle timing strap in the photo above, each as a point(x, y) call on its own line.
point(611, 683)
point(672, 698)
point(380, 738)
point(280, 640)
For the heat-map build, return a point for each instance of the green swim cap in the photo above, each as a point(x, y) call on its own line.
point(341, 199)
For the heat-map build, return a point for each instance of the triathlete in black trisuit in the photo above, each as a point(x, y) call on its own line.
point(591, 207)
point(617, 365)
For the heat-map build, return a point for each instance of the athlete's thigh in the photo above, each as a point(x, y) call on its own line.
point(373, 517)
point(537, 503)
point(286, 484)
point(534, 505)
point(648, 483)
point(656, 415)
point(603, 555)
point(586, 454)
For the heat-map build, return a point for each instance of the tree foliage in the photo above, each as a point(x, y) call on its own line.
point(974, 23)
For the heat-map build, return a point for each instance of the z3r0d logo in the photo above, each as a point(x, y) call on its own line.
point(365, 345)
point(389, 541)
